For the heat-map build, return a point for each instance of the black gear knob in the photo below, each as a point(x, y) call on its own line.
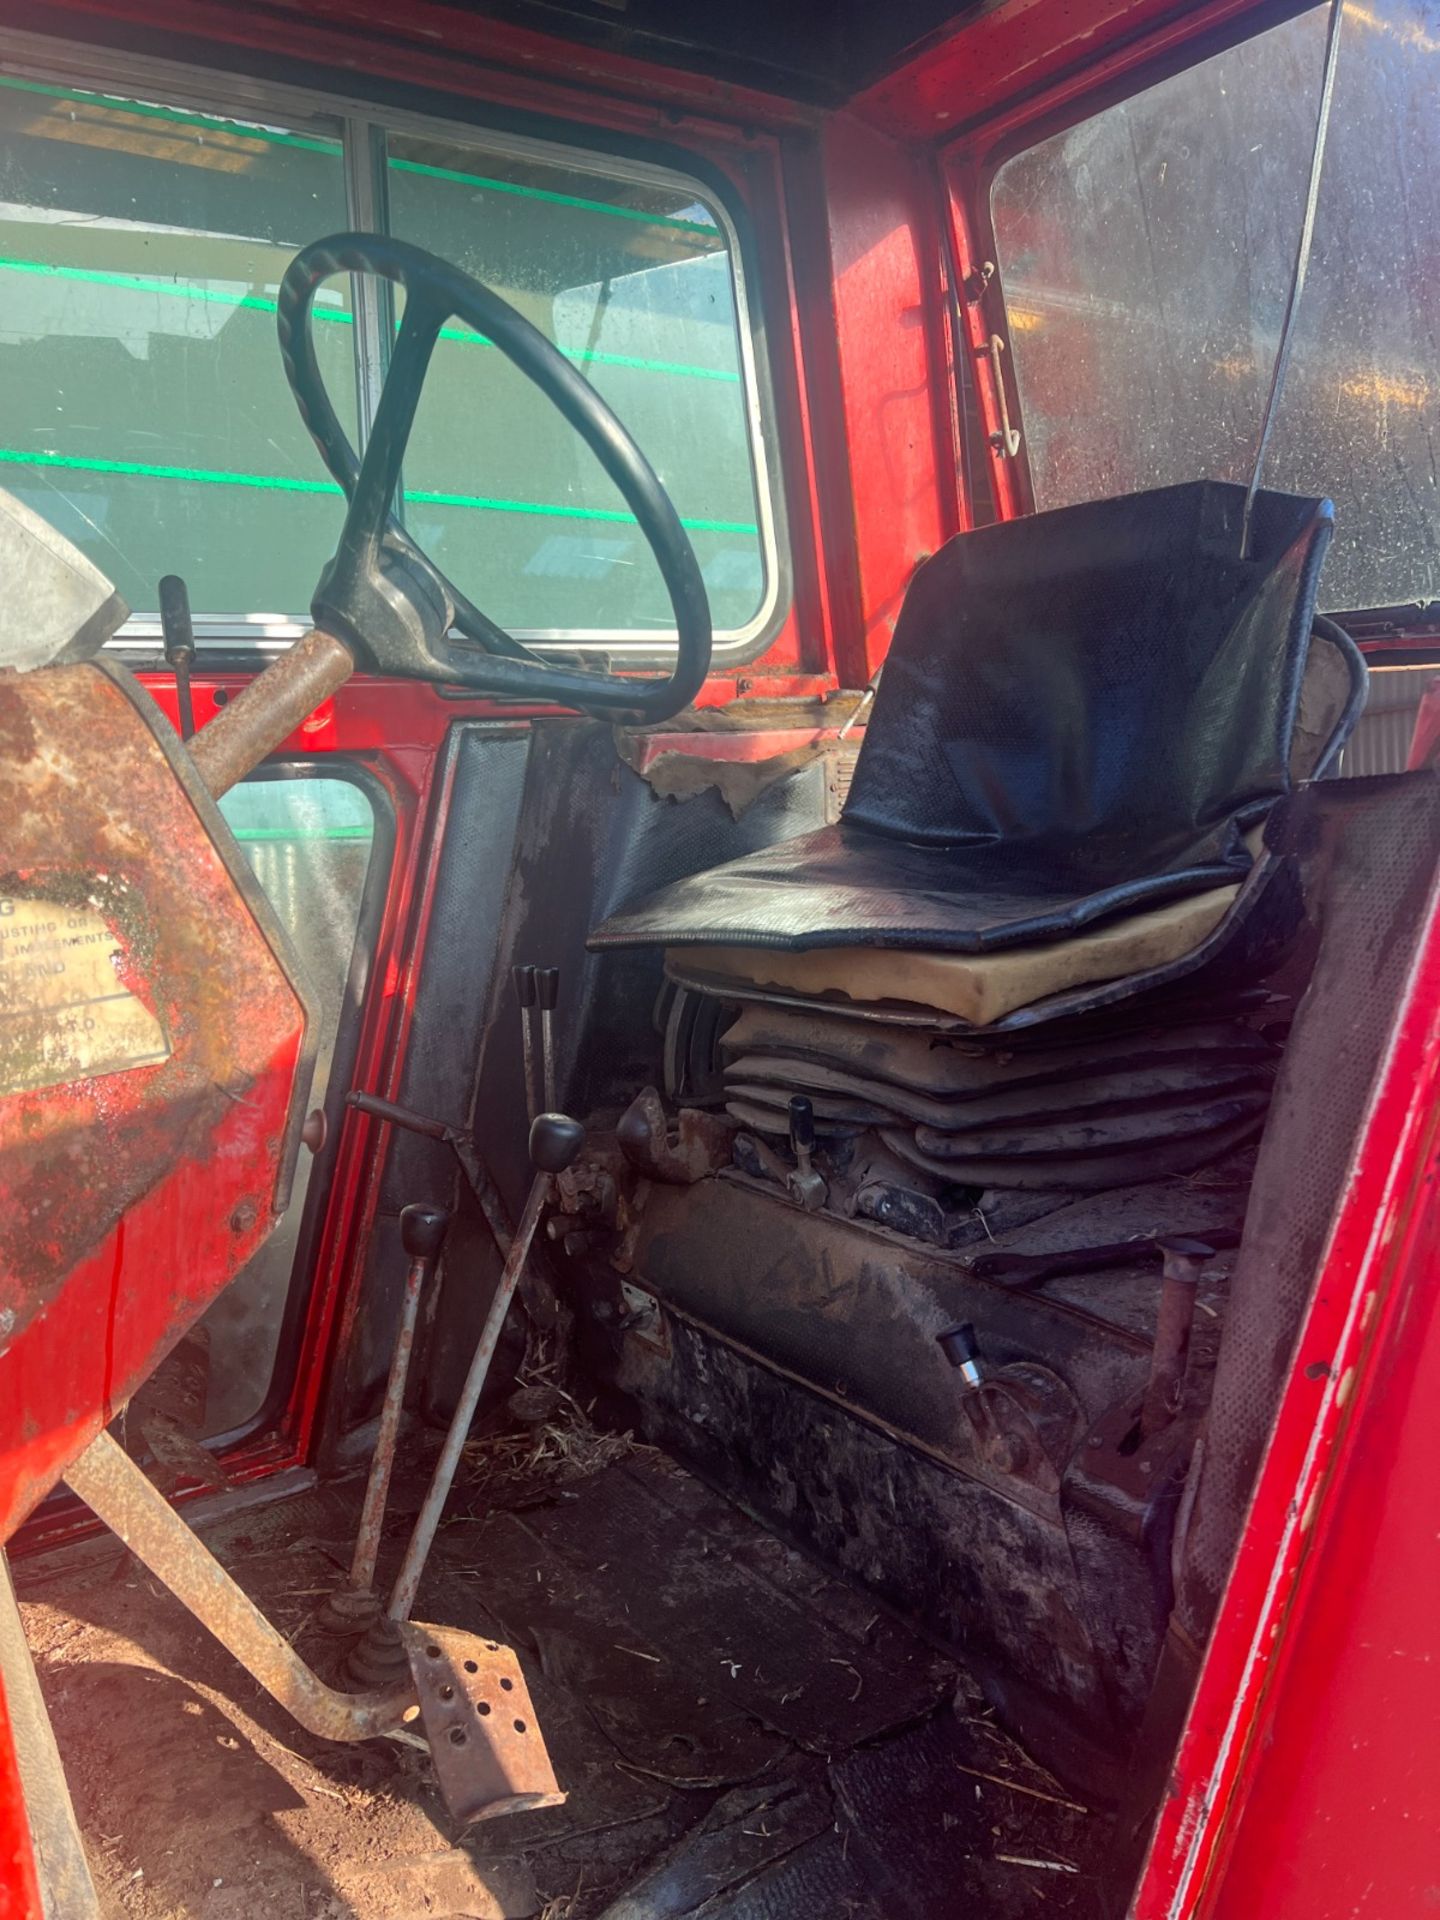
point(422, 1230)
point(555, 1140)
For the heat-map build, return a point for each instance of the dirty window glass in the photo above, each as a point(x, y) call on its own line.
point(309, 842)
point(143, 409)
point(1146, 256)
point(635, 281)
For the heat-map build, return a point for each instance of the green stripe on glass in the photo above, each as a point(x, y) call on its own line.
point(243, 129)
point(490, 185)
point(418, 496)
point(303, 833)
point(259, 303)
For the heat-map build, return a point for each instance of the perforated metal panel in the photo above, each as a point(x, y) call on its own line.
point(1372, 868)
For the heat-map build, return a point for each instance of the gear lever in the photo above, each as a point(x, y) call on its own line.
point(547, 990)
point(524, 978)
point(806, 1185)
point(422, 1234)
point(555, 1140)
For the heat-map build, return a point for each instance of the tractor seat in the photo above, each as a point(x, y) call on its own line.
point(1084, 716)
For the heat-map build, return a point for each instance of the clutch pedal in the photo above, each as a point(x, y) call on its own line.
point(488, 1752)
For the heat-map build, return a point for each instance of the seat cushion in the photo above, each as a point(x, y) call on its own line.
point(1081, 714)
point(980, 988)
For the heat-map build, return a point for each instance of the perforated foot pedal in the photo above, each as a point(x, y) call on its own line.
point(488, 1751)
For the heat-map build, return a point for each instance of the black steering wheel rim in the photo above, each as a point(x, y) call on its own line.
point(373, 540)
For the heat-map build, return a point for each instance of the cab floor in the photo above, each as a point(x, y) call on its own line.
point(740, 1735)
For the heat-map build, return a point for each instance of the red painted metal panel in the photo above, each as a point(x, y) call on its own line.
point(894, 365)
point(1309, 1750)
point(450, 49)
point(1007, 56)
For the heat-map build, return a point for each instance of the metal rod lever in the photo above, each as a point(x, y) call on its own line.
point(422, 1233)
point(117, 1492)
point(1183, 1262)
point(1022, 1270)
point(524, 978)
point(554, 1142)
point(547, 988)
point(462, 1143)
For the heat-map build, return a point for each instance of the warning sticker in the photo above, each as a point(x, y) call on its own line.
point(64, 1012)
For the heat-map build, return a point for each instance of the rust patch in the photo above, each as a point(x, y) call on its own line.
point(487, 1748)
point(98, 827)
point(17, 735)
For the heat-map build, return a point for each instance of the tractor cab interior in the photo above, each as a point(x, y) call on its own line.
point(683, 1207)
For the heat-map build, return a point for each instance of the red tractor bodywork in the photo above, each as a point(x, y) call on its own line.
point(150, 1112)
point(1304, 1786)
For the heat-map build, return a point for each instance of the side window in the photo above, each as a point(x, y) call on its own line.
point(634, 279)
point(1146, 256)
point(312, 842)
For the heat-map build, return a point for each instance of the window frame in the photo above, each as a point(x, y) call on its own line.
point(355, 994)
point(969, 163)
point(360, 127)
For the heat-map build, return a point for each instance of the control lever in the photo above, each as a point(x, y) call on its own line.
point(1169, 1358)
point(422, 1235)
point(525, 993)
point(555, 1142)
point(806, 1185)
point(179, 633)
point(547, 988)
point(461, 1143)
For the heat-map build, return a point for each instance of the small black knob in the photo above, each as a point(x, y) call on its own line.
point(959, 1345)
point(422, 1230)
point(547, 987)
point(175, 622)
point(555, 1140)
point(802, 1124)
point(524, 978)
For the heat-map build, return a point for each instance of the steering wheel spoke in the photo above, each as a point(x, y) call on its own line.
point(380, 594)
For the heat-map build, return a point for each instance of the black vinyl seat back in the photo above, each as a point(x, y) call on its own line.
point(1103, 689)
point(1081, 714)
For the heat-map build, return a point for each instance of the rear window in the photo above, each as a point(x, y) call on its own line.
point(1146, 255)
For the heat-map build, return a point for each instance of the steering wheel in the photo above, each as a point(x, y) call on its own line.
point(380, 594)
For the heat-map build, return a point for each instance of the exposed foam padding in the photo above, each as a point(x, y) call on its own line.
point(982, 987)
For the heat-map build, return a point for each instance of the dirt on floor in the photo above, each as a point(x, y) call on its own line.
point(738, 1733)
